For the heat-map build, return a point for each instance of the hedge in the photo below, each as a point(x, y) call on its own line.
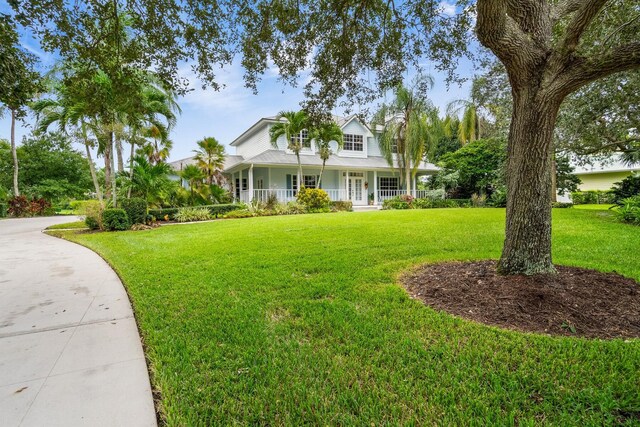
point(216, 211)
point(115, 220)
point(593, 197)
point(3, 210)
point(136, 209)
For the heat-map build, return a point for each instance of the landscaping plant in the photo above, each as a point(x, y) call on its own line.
point(189, 214)
point(136, 209)
point(115, 220)
point(314, 199)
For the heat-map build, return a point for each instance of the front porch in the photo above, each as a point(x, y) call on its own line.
point(361, 187)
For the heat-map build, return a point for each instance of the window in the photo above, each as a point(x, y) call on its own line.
point(388, 183)
point(352, 174)
point(310, 181)
point(260, 184)
point(302, 138)
point(244, 186)
point(353, 142)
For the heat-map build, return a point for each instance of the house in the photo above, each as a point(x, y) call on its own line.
point(356, 173)
point(602, 176)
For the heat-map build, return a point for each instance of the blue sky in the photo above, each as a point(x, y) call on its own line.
point(229, 112)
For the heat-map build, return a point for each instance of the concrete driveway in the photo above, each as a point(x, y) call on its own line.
point(70, 353)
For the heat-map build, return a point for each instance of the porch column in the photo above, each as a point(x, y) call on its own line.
point(240, 184)
point(375, 188)
point(347, 187)
point(269, 186)
point(250, 179)
point(414, 187)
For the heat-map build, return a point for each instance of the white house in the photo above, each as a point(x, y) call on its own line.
point(357, 173)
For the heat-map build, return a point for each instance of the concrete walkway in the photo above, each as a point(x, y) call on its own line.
point(70, 354)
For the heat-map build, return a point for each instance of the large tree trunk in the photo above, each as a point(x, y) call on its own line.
point(94, 177)
point(527, 245)
point(14, 153)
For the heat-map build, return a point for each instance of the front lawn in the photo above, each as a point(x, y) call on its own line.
point(298, 320)
point(68, 225)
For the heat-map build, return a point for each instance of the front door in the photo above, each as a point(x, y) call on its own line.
point(356, 191)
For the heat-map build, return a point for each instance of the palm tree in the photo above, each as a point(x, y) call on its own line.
point(406, 133)
point(194, 176)
point(323, 135)
point(210, 158)
point(472, 125)
point(149, 180)
point(295, 122)
point(69, 113)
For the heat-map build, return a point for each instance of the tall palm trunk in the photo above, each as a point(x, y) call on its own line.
point(407, 177)
point(107, 171)
point(14, 153)
point(131, 164)
point(299, 171)
point(113, 175)
point(324, 161)
point(119, 154)
point(92, 169)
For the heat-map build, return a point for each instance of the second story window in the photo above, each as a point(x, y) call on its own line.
point(303, 138)
point(353, 142)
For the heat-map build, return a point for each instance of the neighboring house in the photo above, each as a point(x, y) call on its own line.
point(357, 173)
point(602, 176)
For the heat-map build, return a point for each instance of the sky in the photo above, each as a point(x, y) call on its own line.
point(229, 112)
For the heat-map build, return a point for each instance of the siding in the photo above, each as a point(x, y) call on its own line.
point(600, 181)
point(256, 143)
point(355, 128)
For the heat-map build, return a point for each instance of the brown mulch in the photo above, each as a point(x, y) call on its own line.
point(574, 302)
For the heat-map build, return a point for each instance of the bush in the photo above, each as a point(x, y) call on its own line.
point(20, 207)
point(314, 199)
point(115, 220)
point(220, 210)
point(498, 198)
point(189, 214)
point(92, 211)
point(478, 200)
point(136, 209)
point(395, 203)
point(3, 210)
point(165, 214)
point(339, 206)
point(561, 205)
point(629, 210)
point(240, 213)
point(593, 197)
point(628, 187)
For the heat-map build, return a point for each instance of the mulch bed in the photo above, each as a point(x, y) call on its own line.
point(574, 302)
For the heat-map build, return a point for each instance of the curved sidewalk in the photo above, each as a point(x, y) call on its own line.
point(70, 354)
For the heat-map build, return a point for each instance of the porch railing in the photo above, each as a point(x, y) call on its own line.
point(284, 195)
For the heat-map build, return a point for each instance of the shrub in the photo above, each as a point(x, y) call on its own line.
point(19, 207)
point(338, 206)
point(136, 209)
point(498, 198)
point(395, 203)
point(189, 214)
point(165, 214)
point(92, 211)
point(240, 213)
point(3, 210)
point(629, 210)
point(478, 200)
point(561, 205)
point(423, 203)
point(115, 220)
point(219, 210)
point(314, 199)
point(628, 187)
point(593, 197)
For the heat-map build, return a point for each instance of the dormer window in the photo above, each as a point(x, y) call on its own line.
point(303, 138)
point(353, 142)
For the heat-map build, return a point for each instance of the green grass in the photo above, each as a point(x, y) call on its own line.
point(67, 225)
point(298, 320)
point(593, 207)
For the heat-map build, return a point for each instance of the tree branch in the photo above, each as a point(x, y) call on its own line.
point(583, 71)
point(580, 22)
point(564, 8)
point(500, 33)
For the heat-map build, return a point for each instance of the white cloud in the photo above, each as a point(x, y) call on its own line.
point(447, 8)
point(232, 96)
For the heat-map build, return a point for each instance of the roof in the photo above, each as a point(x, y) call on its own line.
point(340, 121)
point(229, 162)
point(278, 157)
point(612, 165)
